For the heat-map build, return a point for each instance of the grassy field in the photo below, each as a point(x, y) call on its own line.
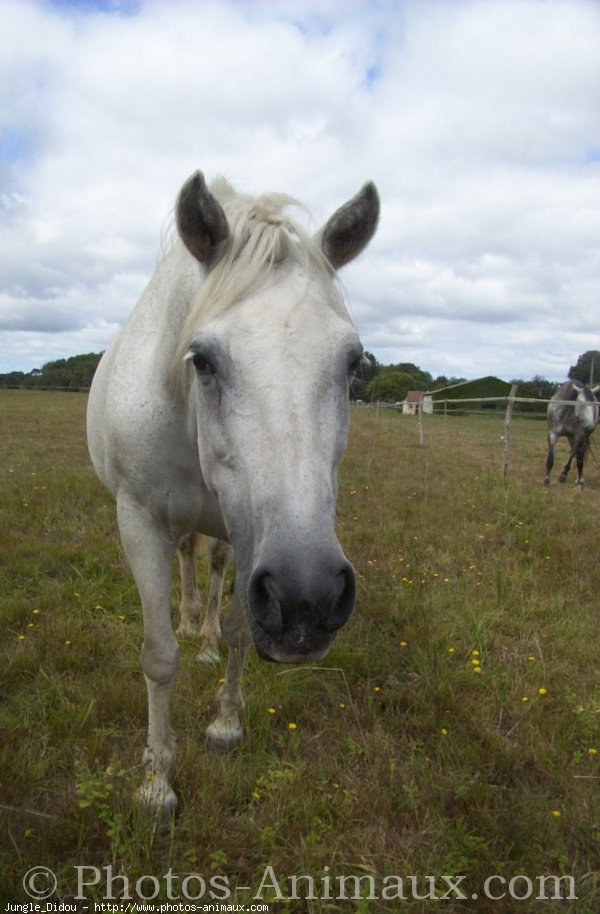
point(454, 729)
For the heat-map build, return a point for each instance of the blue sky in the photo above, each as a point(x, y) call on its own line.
point(478, 120)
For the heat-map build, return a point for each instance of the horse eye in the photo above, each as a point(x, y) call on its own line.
point(354, 365)
point(202, 365)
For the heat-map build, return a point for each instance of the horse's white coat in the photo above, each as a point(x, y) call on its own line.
point(243, 447)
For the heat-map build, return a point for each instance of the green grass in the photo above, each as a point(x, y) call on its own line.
point(404, 760)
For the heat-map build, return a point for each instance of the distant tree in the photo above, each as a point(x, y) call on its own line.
point(423, 380)
point(76, 371)
point(13, 379)
point(539, 387)
point(587, 367)
point(54, 374)
point(390, 386)
point(67, 374)
point(443, 381)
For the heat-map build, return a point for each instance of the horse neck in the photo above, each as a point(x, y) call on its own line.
point(162, 313)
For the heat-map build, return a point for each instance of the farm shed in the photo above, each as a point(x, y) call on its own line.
point(416, 400)
point(480, 389)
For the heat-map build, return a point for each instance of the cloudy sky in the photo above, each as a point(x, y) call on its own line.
point(479, 120)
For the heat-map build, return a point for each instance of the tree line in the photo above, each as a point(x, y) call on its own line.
point(373, 381)
point(391, 383)
point(75, 373)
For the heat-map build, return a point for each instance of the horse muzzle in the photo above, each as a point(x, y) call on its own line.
point(295, 608)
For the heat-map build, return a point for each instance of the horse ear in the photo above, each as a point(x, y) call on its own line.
point(351, 227)
point(201, 222)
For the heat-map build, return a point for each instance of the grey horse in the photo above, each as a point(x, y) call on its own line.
point(572, 413)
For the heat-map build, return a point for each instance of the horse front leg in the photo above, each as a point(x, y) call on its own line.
point(582, 446)
point(150, 554)
point(220, 554)
point(226, 732)
point(191, 606)
point(567, 466)
point(549, 459)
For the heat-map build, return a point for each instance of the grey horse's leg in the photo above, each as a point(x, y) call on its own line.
point(225, 732)
point(582, 446)
point(550, 458)
point(150, 554)
point(220, 554)
point(565, 470)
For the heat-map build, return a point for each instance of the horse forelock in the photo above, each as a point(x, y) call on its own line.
point(263, 238)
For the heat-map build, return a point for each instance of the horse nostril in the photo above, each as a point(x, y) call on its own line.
point(265, 603)
point(343, 601)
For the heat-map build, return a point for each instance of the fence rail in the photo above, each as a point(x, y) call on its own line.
point(379, 403)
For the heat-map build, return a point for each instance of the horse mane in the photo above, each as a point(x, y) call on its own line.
point(262, 239)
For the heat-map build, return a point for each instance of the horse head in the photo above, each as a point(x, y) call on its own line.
point(270, 350)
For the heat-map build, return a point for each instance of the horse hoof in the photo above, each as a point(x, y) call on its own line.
point(562, 478)
point(546, 482)
point(222, 738)
point(157, 796)
point(208, 656)
point(187, 630)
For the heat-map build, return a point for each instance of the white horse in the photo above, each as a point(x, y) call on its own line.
point(222, 408)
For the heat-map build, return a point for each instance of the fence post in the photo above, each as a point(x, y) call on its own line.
point(420, 411)
point(506, 436)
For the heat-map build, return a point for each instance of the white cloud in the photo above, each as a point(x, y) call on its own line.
point(478, 121)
